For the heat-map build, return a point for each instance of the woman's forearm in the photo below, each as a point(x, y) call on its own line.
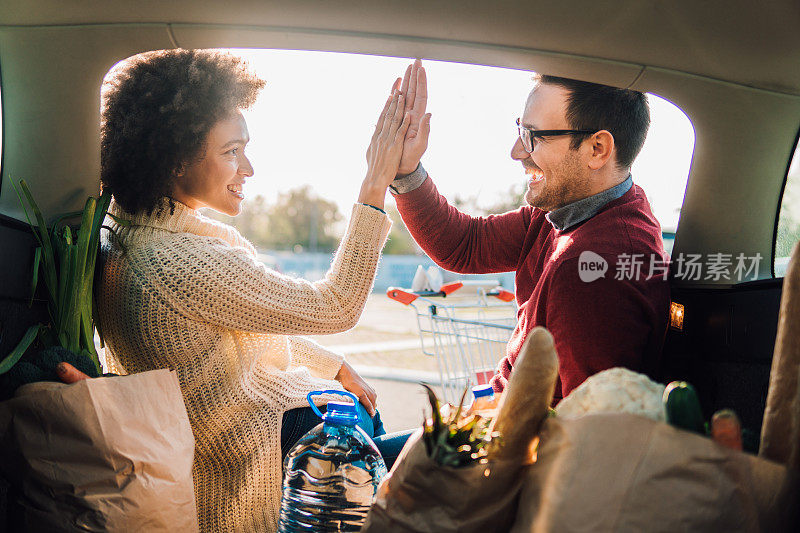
point(211, 281)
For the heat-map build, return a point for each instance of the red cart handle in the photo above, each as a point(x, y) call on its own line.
point(400, 295)
point(451, 287)
point(406, 297)
point(502, 294)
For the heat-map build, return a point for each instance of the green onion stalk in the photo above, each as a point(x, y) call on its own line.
point(65, 262)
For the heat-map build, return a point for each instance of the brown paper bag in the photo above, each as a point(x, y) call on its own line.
point(104, 454)
point(609, 472)
point(780, 432)
point(419, 495)
point(620, 472)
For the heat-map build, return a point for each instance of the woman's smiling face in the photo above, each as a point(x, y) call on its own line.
point(217, 178)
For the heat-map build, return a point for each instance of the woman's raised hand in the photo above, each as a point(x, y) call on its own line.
point(385, 148)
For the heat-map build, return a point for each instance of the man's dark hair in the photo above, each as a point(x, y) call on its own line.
point(157, 110)
point(623, 112)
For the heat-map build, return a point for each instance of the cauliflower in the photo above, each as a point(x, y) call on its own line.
point(616, 390)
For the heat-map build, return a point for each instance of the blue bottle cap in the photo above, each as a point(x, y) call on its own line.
point(482, 390)
point(341, 413)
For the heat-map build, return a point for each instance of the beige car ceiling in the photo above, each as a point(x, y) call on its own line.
point(733, 67)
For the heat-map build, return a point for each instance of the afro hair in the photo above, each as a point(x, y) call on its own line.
point(157, 110)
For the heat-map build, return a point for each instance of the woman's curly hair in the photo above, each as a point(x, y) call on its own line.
point(157, 110)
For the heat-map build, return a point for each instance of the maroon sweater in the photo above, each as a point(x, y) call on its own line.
point(596, 325)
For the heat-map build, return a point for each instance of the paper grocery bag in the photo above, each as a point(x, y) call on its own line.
point(419, 495)
point(621, 472)
point(104, 454)
point(780, 432)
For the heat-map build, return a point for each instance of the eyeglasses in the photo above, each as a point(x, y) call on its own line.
point(530, 137)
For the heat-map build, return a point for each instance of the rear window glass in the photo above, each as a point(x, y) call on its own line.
point(312, 123)
point(789, 216)
point(1, 127)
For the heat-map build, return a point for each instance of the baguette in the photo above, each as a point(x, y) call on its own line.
point(780, 433)
point(527, 397)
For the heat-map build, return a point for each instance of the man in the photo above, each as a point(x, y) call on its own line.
point(588, 254)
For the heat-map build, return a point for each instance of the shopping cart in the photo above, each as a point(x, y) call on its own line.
point(465, 326)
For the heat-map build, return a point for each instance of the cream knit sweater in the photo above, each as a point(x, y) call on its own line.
point(185, 292)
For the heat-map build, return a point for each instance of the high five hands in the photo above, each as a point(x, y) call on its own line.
point(400, 137)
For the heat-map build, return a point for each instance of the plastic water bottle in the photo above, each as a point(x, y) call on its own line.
point(484, 401)
point(332, 473)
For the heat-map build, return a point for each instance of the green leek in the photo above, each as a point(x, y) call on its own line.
point(67, 264)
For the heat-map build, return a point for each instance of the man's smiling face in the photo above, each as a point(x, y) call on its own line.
point(556, 174)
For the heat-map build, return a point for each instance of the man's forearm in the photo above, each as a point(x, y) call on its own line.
point(454, 240)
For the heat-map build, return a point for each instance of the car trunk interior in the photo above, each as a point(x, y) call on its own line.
point(725, 347)
point(733, 74)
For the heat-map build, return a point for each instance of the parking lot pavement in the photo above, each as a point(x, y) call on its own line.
point(385, 349)
point(401, 404)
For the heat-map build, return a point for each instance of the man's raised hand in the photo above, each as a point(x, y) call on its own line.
point(415, 87)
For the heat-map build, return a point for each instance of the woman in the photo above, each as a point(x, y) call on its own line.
point(182, 291)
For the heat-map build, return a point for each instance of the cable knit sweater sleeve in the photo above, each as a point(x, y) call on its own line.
point(320, 361)
point(207, 279)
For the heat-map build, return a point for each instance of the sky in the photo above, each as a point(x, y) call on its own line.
point(313, 121)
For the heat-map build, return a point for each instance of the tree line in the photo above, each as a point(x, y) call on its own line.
point(301, 221)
